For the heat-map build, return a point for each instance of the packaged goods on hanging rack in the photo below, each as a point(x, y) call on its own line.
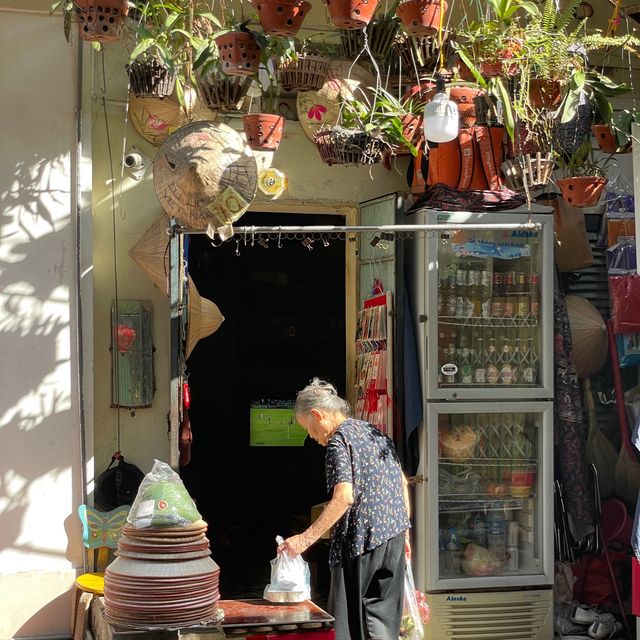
point(373, 363)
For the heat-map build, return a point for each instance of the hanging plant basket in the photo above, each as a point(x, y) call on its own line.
point(305, 73)
point(412, 131)
point(349, 147)
point(582, 191)
point(536, 170)
point(421, 17)
point(419, 53)
point(544, 94)
point(100, 20)
point(239, 53)
point(263, 130)
point(281, 17)
point(351, 14)
point(567, 137)
point(607, 140)
point(223, 93)
point(381, 37)
point(150, 78)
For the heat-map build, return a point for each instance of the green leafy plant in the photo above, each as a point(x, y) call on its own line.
point(622, 123)
point(380, 116)
point(583, 162)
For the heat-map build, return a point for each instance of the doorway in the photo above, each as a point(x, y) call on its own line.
point(284, 324)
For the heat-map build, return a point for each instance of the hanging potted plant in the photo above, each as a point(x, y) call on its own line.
point(616, 137)
point(369, 129)
point(351, 14)
point(219, 91)
point(239, 51)
point(97, 20)
point(299, 66)
point(585, 178)
point(281, 17)
point(381, 33)
point(421, 17)
point(163, 36)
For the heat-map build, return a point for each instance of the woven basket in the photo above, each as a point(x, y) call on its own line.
point(417, 52)
point(149, 78)
point(305, 73)
point(536, 170)
point(223, 93)
point(348, 147)
point(381, 36)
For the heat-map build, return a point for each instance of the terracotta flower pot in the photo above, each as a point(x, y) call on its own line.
point(421, 17)
point(239, 53)
point(100, 20)
point(263, 130)
point(351, 14)
point(544, 94)
point(281, 17)
point(582, 191)
point(607, 140)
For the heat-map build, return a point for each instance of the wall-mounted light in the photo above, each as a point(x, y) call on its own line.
point(132, 380)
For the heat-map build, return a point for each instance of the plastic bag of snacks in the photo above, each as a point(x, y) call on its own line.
point(415, 613)
point(162, 500)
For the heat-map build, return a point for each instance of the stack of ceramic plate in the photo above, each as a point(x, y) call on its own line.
point(162, 577)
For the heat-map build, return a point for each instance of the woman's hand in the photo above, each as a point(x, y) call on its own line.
point(295, 545)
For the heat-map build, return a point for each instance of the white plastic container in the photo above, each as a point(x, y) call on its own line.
point(441, 118)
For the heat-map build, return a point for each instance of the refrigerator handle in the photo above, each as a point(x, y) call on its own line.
point(426, 352)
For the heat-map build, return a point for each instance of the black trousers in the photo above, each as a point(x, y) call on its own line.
point(367, 593)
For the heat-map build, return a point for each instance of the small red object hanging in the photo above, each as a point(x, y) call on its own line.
point(186, 395)
point(125, 336)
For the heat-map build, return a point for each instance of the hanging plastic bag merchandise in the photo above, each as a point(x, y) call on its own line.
point(162, 500)
point(415, 613)
point(290, 578)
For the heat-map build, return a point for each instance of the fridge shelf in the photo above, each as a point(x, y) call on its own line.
point(480, 504)
point(489, 462)
point(488, 322)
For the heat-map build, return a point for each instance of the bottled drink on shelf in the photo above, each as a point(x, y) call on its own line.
point(485, 293)
point(509, 294)
point(441, 295)
point(529, 361)
point(517, 360)
point(492, 372)
point(449, 292)
point(461, 290)
point(452, 553)
point(475, 294)
point(478, 528)
point(498, 295)
point(506, 361)
point(479, 373)
point(534, 294)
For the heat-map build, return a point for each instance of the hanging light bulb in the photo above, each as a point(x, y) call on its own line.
point(441, 120)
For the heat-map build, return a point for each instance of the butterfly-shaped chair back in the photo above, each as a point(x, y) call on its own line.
point(101, 531)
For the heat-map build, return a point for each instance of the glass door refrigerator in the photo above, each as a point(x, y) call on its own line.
point(483, 539)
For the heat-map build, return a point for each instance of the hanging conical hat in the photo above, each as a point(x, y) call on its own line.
point(204, 318)
point(589, 336)
point(205, 174)
point(151, 253)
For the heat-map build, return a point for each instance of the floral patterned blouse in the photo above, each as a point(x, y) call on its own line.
point(362, 455)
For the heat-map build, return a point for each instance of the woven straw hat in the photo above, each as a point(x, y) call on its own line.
point(588, 335)
point(151, 253)
point(204, 318)
point(205, 174)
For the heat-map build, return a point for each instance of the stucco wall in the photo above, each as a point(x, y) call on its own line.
point(40, 462)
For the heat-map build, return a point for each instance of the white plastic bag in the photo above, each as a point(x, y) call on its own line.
point(290, 579)
point(412, 625)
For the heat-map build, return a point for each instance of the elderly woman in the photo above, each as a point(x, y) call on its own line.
point(369, 506)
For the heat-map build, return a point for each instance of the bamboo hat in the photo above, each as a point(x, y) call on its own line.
point(589, 336)
point(151, 253)
point(204, 318)
point(205, 174)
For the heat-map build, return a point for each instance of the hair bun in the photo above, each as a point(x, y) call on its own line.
point(324, 386)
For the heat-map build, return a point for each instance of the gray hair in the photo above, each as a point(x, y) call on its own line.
point(322, 395)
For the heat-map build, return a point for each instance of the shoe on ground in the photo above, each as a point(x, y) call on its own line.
point(565, 626)
point(604, 629)
point(588, 615)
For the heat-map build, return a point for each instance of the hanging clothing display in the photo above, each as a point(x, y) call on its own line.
point(569, 426)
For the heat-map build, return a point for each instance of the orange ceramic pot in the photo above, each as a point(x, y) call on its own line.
point(263, 130)
point(239, 53)
point(582, 191)
point(281, 17)
point(544, 94)
point(100, 20)
point(421, 17)
point(351, 14)
point(607, 140)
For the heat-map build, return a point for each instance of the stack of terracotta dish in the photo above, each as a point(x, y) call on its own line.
point(162, 577)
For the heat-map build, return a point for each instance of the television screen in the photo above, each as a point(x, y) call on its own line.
point(273, 424)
